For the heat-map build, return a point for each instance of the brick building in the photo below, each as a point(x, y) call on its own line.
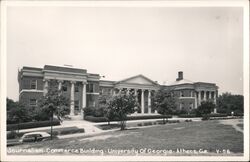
point(84, 89)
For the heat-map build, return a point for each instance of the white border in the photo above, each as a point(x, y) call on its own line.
point(235, 3)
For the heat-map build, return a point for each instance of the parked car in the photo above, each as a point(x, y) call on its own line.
point(34, 137)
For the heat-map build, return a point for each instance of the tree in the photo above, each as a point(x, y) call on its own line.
point(120, 106)
point(54, 103)
point(103, 104)
point(17, 112)
point(164, 102)
point(205, 108)
point(228, 102)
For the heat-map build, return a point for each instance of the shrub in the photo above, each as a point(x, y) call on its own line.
point(148, 117)
point(216, 115)
point(188, 120)
point(147, 123)
point(99, 112)
point(107, 127)
point(95, 119)
point(32, 125)
point(205, 117)
point(139, 124)
point(187, 115)
point(103, 119)
point(12, 134)
point(173, 121)
point(71, 131)
point(89, 111)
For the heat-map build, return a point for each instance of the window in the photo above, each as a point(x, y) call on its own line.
point(33, 84)
point(76, 88)
point(102, 91)
point(190, 105)
point(91, 87)
point(181, 94)
point(64, 87)
point(32, 102)
point(181, 106)
point(77, 105)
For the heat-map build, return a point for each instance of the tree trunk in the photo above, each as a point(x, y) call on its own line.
point(51, 125)
point(122, 124)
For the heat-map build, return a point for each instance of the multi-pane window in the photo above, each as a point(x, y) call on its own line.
point(33, 102)
point(64, 87)
point(191, 105)
point(181, 94)
point(90, 87)
point(76, 88)
point(77, 105)
point(33, 84)
point(181, 106)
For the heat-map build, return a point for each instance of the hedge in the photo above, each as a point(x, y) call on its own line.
point(148, 117)
point(216, 115)
point(32, 125)
point(187, 116)
point(103, 119)
point(95, 119)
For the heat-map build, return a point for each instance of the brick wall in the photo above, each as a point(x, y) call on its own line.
point(25, 82)
point(25, 97)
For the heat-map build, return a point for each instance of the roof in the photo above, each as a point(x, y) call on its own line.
point(30, 133)
point(64, 69)
point(183, 81)
point(136, 76)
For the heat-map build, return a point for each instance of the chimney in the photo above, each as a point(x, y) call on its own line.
point(180, 76)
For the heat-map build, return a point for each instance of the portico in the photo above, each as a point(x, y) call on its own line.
point(71, 81)
point(206, 95)
point(142, 88)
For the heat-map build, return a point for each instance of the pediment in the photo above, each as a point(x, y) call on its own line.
point(139, 79)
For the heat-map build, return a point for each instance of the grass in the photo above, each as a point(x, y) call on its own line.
point(206, 135)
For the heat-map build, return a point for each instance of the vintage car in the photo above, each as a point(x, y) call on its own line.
point(34, 137)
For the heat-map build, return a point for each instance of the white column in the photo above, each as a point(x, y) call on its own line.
point(215, 96)
point(149, 101)
point(209, 95)
point(84, 100)
point(205, 96)
point(136, 99)
point(142, 101)
point(199, 97)
point(136, 94)
point(195, 100)
point(128, 91)
point(120, 90)
point(60, 84)
point(215, 109)
point(72, 99)
point(46, 86)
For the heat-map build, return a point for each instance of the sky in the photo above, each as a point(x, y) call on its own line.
point(120, 42)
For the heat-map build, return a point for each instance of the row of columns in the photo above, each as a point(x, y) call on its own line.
point(205, 96)
point(72, 94)
point(142, 98)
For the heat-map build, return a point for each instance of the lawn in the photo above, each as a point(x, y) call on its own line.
point(210, 136)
